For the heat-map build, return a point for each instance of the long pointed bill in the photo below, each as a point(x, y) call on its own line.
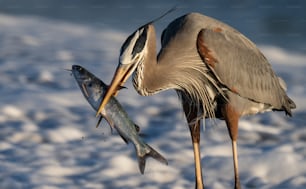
point(121, 75)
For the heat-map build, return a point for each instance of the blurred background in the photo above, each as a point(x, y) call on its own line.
point(281, 23)
point(48, 138)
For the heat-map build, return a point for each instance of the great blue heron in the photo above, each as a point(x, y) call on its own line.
point(217, 72)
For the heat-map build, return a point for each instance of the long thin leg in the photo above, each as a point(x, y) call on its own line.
point(235, 159)
point(195, 136)
point(231, 117)
point(191, 112)
point(194, 127)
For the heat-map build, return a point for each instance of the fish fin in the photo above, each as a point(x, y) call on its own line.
point(124, 139)
point(110, 123)
point(99, 121)
point(137, 128)
point(121, 87)
point(143, 135)
point(152, 153)
point(138, 131)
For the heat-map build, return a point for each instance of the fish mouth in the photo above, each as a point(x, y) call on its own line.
point(81, 74)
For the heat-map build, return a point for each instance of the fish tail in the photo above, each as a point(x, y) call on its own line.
point(151, 153)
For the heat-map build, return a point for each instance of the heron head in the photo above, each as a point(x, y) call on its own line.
point(132, 54)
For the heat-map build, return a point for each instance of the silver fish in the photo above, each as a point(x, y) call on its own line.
point(93, 90)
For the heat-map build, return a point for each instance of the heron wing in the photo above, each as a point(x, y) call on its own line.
point(238, 64)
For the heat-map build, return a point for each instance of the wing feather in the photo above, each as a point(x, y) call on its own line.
point(239, 65)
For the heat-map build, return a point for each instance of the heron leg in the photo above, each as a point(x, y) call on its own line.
point(231, 117)
point(235, 159)
point(194, 127)
point(191, 113)
point(195, 135)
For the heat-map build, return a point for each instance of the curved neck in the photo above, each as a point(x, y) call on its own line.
point(151, 77)
point(178, 66)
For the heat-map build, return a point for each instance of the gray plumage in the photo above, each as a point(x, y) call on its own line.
point(217, 72)
point(240, 67)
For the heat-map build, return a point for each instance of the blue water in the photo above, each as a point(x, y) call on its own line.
point(279, 23)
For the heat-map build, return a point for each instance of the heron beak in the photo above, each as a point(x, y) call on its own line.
point(121, 75)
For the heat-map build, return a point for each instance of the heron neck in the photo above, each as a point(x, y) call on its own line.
point(151, 76)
